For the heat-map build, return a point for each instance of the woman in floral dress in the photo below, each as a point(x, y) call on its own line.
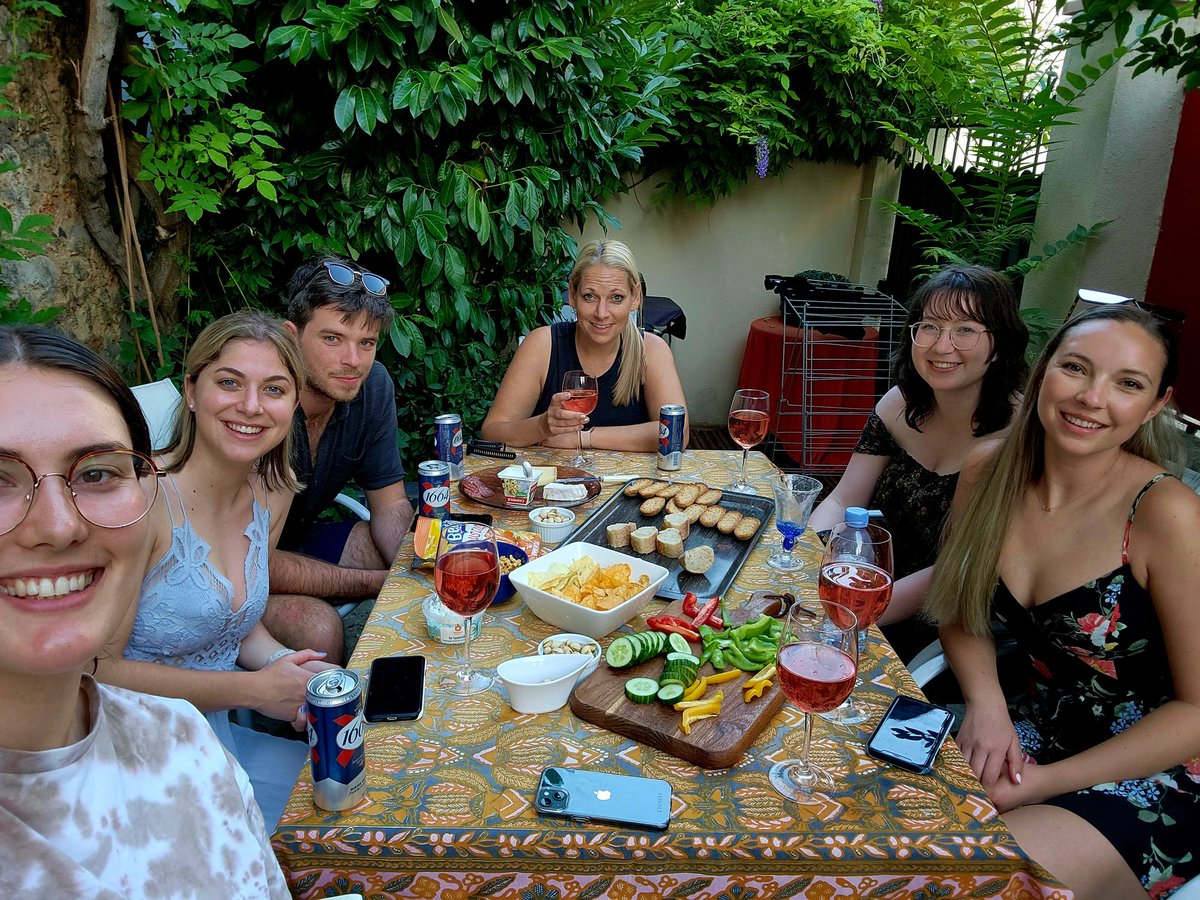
point(1070, 533)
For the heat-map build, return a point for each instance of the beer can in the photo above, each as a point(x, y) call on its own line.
point(335, 739)
point(433, 476)
point(670, 437)
point(448, 442)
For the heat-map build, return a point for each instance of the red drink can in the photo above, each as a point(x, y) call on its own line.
point(448, 442)
point(335, 739)
point(670, 437)
point(433, 476)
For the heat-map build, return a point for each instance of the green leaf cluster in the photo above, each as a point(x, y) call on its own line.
point(1158, 44)
point(812, 77)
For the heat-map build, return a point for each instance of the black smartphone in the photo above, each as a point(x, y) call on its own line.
point(911, 733)
point(395, 689)
point(585, 796)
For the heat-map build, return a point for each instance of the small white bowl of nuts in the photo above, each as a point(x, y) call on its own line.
point(569, 642)
point(553, 523)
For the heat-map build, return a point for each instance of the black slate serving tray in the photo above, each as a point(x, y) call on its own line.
point(730, 552)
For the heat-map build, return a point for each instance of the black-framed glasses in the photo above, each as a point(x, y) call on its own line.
point(962, 337)
point(340, 273)
point(110, 488)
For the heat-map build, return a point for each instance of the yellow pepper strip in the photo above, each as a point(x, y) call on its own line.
point(724, 676)
point(762, 675)
point(714, 702)
point(696, 689)
point(753, 692)
point(690, 716)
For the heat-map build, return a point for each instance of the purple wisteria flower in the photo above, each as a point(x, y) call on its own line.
point(762, 156)
point(879, 6)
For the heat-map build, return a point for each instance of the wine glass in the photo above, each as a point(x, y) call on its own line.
point(584, 397)
point(818, 659)
point(749, 416)
point(856, 571)
point(466, 577)
point(794, 498)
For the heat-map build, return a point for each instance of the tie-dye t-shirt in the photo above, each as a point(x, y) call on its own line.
point(147, 805)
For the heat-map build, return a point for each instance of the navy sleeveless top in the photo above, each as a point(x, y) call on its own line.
point(564, 358)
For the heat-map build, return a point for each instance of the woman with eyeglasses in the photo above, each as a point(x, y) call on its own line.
point(635, 372)
point(957, 382)
point(1070, 535)
point(104, 792)
point(197, 632)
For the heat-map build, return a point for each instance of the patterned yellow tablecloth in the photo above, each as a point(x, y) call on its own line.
point(449, 811)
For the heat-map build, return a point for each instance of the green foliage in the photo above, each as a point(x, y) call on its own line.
point(812, 77)
point(181, 82)
point(1007, 96)
point(440, 144)
point(1041, 325)
point(1159, 44)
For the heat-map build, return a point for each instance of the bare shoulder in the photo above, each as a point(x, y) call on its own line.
point(890, 407)
point(1168, 505)
point(980, 458)
point(657, 349)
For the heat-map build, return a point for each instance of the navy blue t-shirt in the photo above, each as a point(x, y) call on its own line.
point(359, 443)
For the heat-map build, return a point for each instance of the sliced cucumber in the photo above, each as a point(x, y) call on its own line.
point(641, 690)
point(679, 643)
point(620, 653)
point(670, 693)
point(686, 657)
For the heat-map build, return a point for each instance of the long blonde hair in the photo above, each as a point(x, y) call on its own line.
point(964, 578)
point(246, 325)
point(631, 375)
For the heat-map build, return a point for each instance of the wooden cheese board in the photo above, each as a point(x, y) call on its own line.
point(715, 743)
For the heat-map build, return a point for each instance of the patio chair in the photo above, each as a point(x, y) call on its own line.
point(160, 399)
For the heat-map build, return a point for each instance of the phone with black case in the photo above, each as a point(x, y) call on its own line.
point(911, 733)
point(585, 796)
point(395, 689)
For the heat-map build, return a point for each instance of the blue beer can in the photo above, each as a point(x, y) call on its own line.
point(448, 442)
point(670, 437)
point(335, 739)
point(433, 478)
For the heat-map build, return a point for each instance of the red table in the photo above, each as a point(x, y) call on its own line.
point(840, 384)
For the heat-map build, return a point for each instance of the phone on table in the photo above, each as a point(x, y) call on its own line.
point(911, 733)
point(395, 689)
point(585, 796)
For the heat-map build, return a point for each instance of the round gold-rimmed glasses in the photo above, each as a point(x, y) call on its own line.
point(110, 488)
point(962, 337)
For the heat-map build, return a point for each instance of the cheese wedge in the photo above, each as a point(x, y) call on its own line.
point(556, 491)
point(546, 474)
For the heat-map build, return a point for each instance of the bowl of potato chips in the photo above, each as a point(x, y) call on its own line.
point(586, 588)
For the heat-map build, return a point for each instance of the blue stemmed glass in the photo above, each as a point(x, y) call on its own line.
point(794, 499)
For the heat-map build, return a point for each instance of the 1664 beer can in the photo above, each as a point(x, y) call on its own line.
point(433, 475)
point(670, 437)
point(335, 739)
point(448, 442)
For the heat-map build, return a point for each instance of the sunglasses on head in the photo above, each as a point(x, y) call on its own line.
point(340, 273)
point(1089, 299)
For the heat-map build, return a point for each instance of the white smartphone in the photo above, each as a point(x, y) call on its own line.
point(585, 796)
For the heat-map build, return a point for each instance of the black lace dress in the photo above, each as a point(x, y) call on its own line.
point(915, 503)
point(1097, 664)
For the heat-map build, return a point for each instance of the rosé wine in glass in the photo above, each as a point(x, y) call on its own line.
point(581, 401)
point(748, 427)
point(466, 576)
point(818, 660)
point(865, 590)
point(585, 394)
point(749, 421)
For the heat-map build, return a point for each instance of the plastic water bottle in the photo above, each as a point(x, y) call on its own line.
point(854, 532)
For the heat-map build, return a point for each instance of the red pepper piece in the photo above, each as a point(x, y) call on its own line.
point(704, 615)
point(674, 625)
point(691, 604)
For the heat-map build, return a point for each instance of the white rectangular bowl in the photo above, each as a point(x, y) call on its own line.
point(572, 616)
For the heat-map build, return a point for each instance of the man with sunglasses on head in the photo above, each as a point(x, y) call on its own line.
point(344, 429)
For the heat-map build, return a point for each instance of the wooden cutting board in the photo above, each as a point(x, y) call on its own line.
point(715, 743)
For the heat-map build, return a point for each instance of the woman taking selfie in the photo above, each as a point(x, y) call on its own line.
point(197, 632)
point(957, 383)
point(635, 372)
point(104, 792)
point(1070, 534)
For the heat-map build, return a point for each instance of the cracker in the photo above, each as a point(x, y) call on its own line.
point(688, 495)
point(711, 516)
point(653, 506)
point(651, 489)
point(746, 528)
point(709, 497)
point(693, 513)
point(634, 486)
point(670, 490)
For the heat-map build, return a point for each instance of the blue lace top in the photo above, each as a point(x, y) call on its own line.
point(185, 615)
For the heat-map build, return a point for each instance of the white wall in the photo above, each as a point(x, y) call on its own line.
point(711, 261)
point(1112, 164)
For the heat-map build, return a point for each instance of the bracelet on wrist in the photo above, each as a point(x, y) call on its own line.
point(278, 654)
point(587, 438)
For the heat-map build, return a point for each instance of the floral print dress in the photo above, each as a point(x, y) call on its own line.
point(1098, 664)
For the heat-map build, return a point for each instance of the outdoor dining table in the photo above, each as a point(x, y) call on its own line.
point(449, 805)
